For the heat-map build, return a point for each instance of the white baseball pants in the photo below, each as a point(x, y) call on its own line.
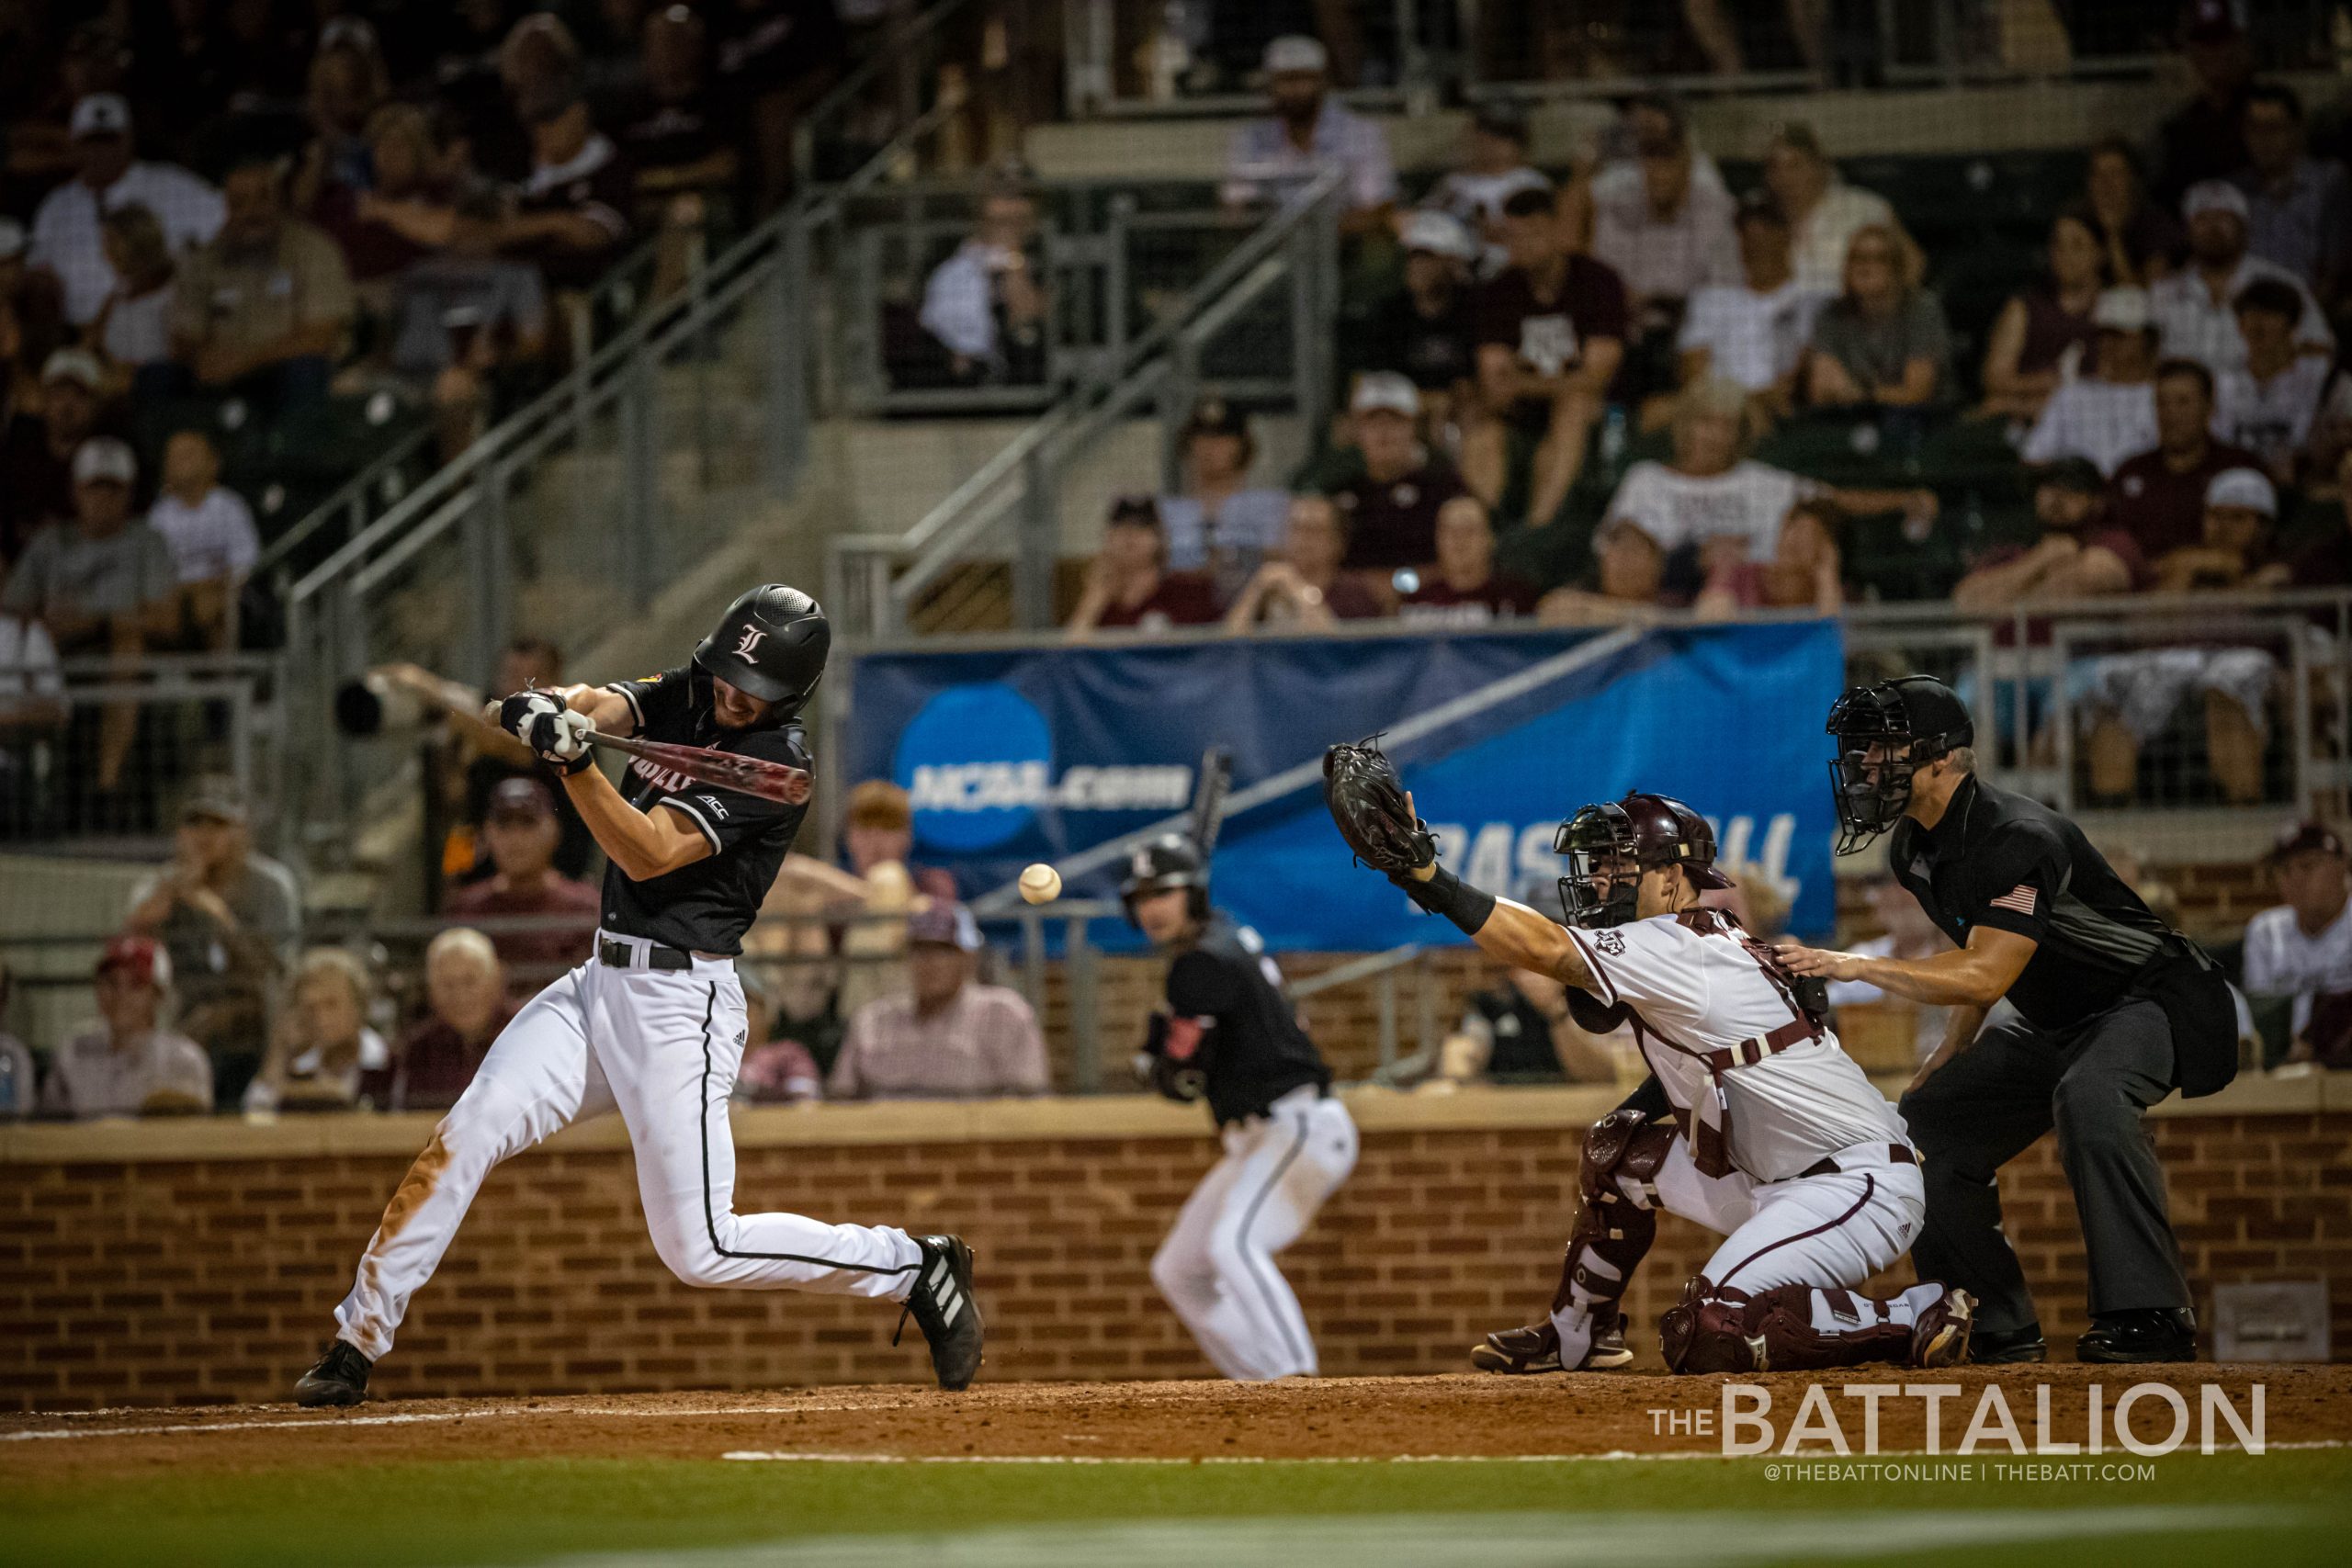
point(1216, 1268)
point(661, 1047)
point(1828, 1231)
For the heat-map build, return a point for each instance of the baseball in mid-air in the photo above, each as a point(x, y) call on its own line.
point(1041, 884)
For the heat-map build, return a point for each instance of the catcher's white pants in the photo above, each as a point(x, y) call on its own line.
point(1830, 1231)
point(1216, 1268)
point(661, 1047)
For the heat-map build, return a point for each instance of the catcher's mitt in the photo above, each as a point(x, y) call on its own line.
point(1367, 801)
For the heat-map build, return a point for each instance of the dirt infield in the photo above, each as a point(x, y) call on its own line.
point(1463, 1415)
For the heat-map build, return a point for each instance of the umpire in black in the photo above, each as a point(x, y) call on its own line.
point(2114, 1011)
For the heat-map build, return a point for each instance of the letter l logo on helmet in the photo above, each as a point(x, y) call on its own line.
point(752, 636)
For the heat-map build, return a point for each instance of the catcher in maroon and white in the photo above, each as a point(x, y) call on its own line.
point(1783, 1146)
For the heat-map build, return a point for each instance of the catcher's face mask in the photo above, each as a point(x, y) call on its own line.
point(1604, 876)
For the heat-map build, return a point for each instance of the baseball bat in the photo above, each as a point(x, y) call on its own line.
point(744, 776)
point(1208, 797)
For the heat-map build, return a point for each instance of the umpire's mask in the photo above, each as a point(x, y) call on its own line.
point(1885, 734)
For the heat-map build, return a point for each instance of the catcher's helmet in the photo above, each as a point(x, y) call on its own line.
point(1644, 831)
point(1171, 859)
point(770, 643)
point(1910, 723)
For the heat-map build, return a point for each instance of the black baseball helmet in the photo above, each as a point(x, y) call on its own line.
point(771, 642)
point(1171, 859)
point(1908, 723)
point(1644, 831)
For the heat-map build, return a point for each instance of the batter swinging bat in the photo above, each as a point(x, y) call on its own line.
point(746, 775)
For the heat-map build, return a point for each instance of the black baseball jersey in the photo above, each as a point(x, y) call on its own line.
point(1229, 1019)
point(706, 906)
point(2001, 859)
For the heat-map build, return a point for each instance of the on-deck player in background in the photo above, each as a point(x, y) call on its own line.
point(1231, 1036)
point(1785, 1146)
point(654, 1024)
point(2115, 1009)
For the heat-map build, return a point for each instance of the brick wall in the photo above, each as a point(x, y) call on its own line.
point(132, 1275)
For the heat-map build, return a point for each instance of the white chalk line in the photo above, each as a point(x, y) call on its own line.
point(1807, 1456)
point(331, 1423)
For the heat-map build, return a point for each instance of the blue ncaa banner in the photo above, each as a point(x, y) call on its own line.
point(1041, 754)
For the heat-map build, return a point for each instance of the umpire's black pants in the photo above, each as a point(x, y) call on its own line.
point(1988, 1104)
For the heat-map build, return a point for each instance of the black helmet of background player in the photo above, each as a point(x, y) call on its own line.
point(1171, 859)
point(771, 644)
point(1885, 734)
point(1615, 840)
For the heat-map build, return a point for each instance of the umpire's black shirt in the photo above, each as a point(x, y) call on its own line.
point(1229, 1018)
point(706, 906)
point(2001, 860)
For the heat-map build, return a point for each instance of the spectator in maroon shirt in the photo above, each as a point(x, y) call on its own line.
point(2158, 497)
point(1129, 585)
point(1463, 589)
point(522, 832)
point(437, 1058)
point(1551, 333)
point(1392, 506)
point(1303, 588)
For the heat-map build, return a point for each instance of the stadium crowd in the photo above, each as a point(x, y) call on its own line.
point(1569, 402)
point(237, 239)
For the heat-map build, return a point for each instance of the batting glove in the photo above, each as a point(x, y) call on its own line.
point(544, 724)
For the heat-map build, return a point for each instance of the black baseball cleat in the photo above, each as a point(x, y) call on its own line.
point(1521, 1352)
point(945, 1309)
point(340, 1377)
point(2145, 1333)
point(2005, 1347)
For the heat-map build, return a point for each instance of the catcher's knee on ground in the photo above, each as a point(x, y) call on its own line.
point(1721, 1328)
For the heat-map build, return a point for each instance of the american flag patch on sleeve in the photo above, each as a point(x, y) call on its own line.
point(2019, 898)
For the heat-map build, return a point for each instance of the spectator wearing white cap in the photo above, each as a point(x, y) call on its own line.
point(1422, 330)
point(2268, 405)
point(2195, 306)
point(1753, 332)
point(1391, 507)
point(67, 237)
point(103, 582)
point(1308, 132)
point(2131, 699)
point(2111, 416)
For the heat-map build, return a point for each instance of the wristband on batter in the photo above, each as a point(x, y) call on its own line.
point(1446, 894)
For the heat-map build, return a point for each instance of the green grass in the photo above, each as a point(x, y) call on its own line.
point(517, 1511)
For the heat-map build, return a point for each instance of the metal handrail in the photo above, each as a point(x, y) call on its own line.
point(1233, 266)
